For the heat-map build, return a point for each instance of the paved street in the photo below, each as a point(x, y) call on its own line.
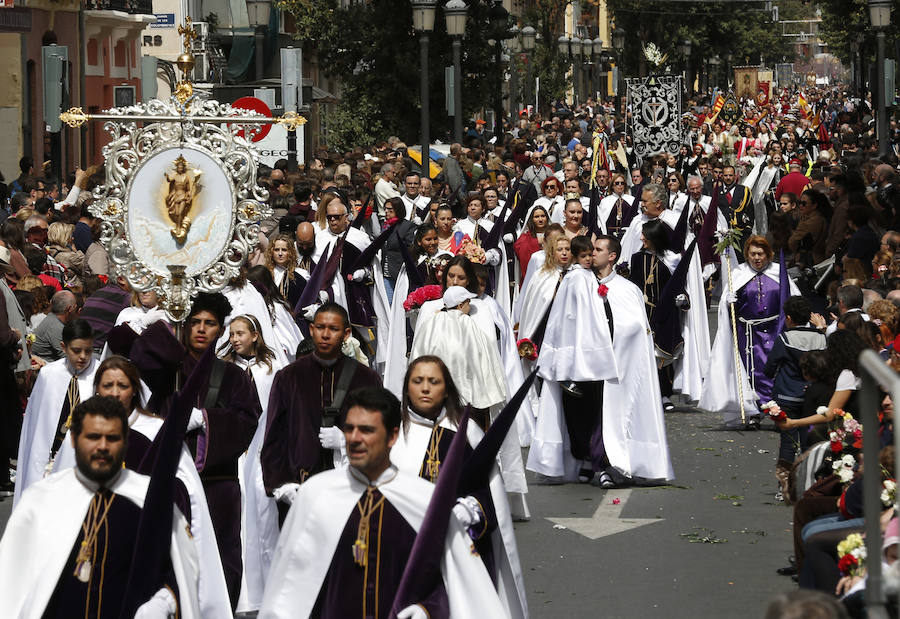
point(671, 568)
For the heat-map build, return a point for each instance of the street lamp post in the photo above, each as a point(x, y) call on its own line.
point(565, 46)
point(258, 12)
point(455, 14)
point(685, 48)
point(577, 46)
point(880, 16)
point(423, 23)
point(714, 62)
point(528, 43)
point(499, 23)
point(598, 65)
point(618, 39)
point(514, 47)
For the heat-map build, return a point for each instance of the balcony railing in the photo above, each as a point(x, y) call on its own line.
point(126, 6)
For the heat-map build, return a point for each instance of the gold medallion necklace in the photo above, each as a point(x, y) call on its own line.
point(366, 506)
point(90, 529)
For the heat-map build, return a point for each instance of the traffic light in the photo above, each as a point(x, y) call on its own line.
point(55, 76)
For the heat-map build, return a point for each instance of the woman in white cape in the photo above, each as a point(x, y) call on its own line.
point(431, 409)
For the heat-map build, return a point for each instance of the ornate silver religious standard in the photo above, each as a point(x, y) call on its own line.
point(655, 124)
point(180, 208)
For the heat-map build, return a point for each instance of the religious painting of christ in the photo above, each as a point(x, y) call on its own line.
point(183, 187)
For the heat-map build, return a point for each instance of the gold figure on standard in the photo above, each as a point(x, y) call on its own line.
point(184, 185)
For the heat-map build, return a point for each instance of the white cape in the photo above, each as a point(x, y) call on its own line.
point(259, 514)
point(577, 343)
point(606, 206)
point(41, 419)
point(212, 590)
point(690, 367)
point(408, 453)
point(395, 357)
point(472, 358)
point(313, 528)
point(326, 240)
point(42, 531)
point(634, 429)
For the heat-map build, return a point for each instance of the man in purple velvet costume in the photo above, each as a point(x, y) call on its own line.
point(68, 549)
point(220, 429)
point(350, 532)
point(304, 412)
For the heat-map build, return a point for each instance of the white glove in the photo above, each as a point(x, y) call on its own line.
point(331, 438)
point(323, 296)
point(286, 493)
point(161, 606)
point(413, 612)
point(731, 297)
point(154, 315)
point(197, 420)
point(467, 511)
point(358, 275)
point(508, 237)
point(492, 257)
point(309, 312)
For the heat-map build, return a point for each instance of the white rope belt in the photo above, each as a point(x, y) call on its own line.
point(749, 325)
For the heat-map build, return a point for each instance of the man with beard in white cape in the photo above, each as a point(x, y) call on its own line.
point(68, 548)
point(350, 531)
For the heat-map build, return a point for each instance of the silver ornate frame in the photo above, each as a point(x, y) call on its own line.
point(141, 131)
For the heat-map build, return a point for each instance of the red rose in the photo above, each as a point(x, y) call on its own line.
point(602, 290)
point(836, 447)
point(847, 564)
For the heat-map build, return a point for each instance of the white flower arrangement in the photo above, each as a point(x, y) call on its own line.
point(654, 55)
point(888, 493)
point(843, 468)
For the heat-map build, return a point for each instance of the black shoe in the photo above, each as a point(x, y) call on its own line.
point(792, 560)
point(753, 423)
point(790, 570)
point(585, 476)
point(795, 578)
point(7, 489)
point(606, 481)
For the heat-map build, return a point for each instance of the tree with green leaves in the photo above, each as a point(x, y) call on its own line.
point(747, 32)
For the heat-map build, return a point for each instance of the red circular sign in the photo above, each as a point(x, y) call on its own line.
point(255, 105)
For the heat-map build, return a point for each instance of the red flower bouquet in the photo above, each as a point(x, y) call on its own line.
point(602, 290)
point(419, 296)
